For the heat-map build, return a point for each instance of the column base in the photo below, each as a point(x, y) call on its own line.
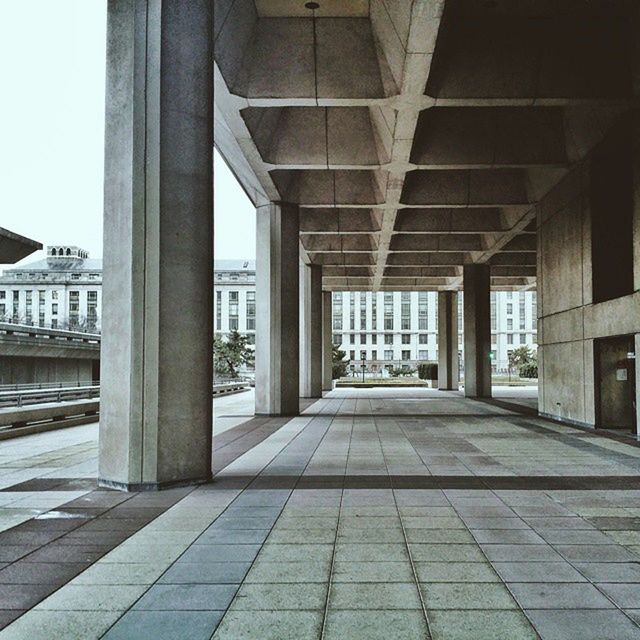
point(150, 486)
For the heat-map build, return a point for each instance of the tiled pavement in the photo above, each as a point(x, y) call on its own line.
point(373, 515)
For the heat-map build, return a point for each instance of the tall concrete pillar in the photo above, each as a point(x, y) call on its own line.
point(310, 331)
point(327, 341)
point(157, 321)
point(477, 331)
point(448, 375)
point(277, 310)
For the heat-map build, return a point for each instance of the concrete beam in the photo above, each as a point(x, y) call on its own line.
point(310, 331)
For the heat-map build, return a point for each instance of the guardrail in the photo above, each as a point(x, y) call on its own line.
point(46, 416)
point(38, 396)
point(31, 331)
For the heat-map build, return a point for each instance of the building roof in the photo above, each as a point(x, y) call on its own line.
point(14, 247)
point(234, 265)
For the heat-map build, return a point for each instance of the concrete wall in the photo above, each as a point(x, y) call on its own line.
point(20, 370)
point(568, 320)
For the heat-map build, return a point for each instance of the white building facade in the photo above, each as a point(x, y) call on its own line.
point(62, 291)
point(235, 297)
point(400, 329)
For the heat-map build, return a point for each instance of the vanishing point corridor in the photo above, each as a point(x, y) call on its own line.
point(374, 514)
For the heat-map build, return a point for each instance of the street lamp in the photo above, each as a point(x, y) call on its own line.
point(363, 365)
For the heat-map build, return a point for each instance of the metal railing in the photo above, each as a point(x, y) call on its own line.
point(9, 328)
point(24, 397)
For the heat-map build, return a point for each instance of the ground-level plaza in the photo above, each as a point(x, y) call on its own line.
point(374, 514)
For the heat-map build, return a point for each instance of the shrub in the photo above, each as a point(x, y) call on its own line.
point(529, 370)
point(428, 371)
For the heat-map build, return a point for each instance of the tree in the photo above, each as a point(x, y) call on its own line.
point(339, 364)
point(520, 357)
point(231, 353)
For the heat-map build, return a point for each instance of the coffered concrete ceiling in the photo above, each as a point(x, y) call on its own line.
point(416, 135)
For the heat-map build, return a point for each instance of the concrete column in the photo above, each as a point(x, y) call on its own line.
point(310, 331)
point(448, 375)
point(327, 341)
point(477, 331)
point(156, 395)
point(277, 310)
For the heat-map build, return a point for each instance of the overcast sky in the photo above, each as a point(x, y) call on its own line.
point(52, 67)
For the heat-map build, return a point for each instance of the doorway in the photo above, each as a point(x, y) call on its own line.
point(615, 376)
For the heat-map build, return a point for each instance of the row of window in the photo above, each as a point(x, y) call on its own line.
point(57, 275)
point(233, 310)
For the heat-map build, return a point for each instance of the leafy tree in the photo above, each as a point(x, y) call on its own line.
point(339, 364)
point(520, 358)
point(428, 371)
point(231, 353)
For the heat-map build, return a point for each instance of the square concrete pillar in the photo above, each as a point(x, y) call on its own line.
point(327, 341)
point(448, 374)
point(157, 321)
point(477, 331)
point(310, 331)
point(277, 310)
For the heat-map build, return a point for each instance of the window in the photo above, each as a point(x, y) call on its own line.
point(352, 311)
point(29, 306)
point(3, 295)
point(54, 295)
point(388, 311)
point(423, 311)
point(92, 309)
point(405, 310)
point(509, 324)
point(363, 338)
point(374, 311)
point(337, 339)
point(16, 305)
point(523, 338)
point(54, 323)
point(388, 338)
point(352, 338)
point(406, 338)
point(352, 355)
point(388, 354)
point(521, 311)
point(374, 354)
point(509, 307)
point(423, 355)
point(219, 310)
point(233, 310)
point(54, 308)
point(251, 310)
point(3, 311)
point(363, 310)
point(423, 338)
point(336, 311)
point(510, 338)
point(374, 338)
point(406, 355)
point(74, 308)
point(493, 311)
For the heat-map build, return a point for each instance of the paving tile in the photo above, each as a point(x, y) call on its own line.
point(270, 625)
point(595, 553)
point(371, 552)
point(192, 597)
point(520, 553)
point(480, 625)
point(541, 595)
point(268, 597)
point(70, 625)
point(347, 571)
point(610, 571)
point(289, 572)
point(205, 573)
point(40, 572)
point(537, 572)
point(624, 594)
point(376, 625)
point(446, 553)
point(93, 598)
point(295, 552)
point(376, 536)
point(439, 536)
point(466, 595)
point(455, 572)
point(23, 596)
point(220, 553)
point(123, 574)
point(506, 536)
point(571, 624)
point(374, 595)
point(233, 536)
point(165, 625)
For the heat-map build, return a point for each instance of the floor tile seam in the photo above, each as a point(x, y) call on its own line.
point(325, 614)
point(504, 584)
point(92, 563)
point(572, 564)
point(425, 611)
point(302, 429)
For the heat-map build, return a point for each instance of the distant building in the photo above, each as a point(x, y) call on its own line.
point(61, 291)
point(235, 297)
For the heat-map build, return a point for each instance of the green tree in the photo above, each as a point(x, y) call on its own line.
point(339, 364)
point(231, 353)
point(520, 357)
